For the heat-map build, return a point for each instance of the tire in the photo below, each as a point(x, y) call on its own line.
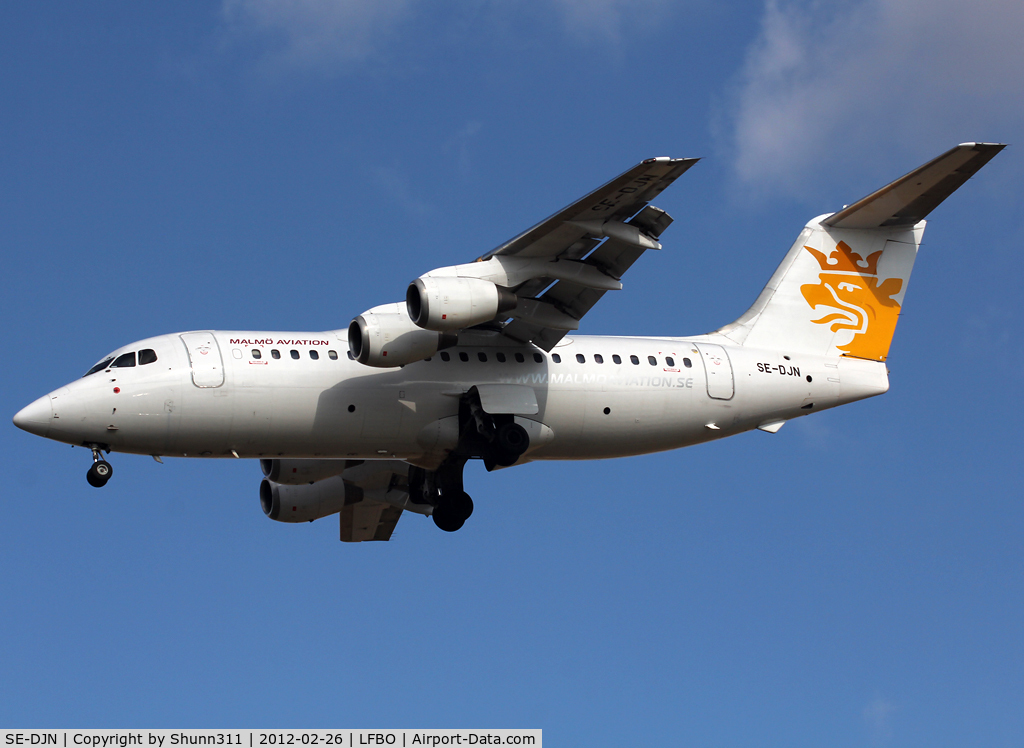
point(511, 440)
point(463, 505)
point(447, 518)
point(501, 458)
point(99, 474)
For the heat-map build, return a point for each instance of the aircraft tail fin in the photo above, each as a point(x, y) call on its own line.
point(840, 288)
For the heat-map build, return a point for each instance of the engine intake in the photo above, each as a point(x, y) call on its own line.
point(450, 303)
point(385, 336)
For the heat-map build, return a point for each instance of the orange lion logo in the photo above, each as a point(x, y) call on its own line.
point(849, 288)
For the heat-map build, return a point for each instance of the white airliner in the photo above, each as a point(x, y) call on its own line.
point(477, 362)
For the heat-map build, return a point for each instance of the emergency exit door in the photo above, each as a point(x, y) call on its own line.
point(204, 357)
point(718, 370)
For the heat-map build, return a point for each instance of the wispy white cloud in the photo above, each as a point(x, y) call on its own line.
point(459, 145)
point(877, 716)
point(398, 190)
point(332, 35)
point(321, 34)
point(826, 81)
point(608, 20)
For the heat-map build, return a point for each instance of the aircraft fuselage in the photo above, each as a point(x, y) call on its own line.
point(263, 394)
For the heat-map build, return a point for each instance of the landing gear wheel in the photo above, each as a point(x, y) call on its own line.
point(499, 458)
point(451, 513)
point(510, 442)
point(99, 474)
point(447, 518)
point(463, 504)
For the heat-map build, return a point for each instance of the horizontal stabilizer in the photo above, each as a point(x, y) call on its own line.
point(912, 197)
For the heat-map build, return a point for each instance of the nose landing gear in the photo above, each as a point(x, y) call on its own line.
point(100, 471)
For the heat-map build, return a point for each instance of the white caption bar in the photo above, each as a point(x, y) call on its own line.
point(264, 738)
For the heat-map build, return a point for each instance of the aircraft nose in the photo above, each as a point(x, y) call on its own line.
point(36, 417)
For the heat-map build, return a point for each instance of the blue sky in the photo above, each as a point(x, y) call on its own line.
point(855, 579)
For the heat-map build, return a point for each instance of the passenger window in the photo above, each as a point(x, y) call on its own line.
point(598, 358)
point(556, 358)
point(581, 358)
point(463, 356)
point(256, 354)
point(315, 355)
point(500, 357)
point(670, 361)
point(445, 356)
point(124, 361)
point(616, 359)
point(146, 356)
point(295, 354)
point(100, 366)
point(274, 353)
point(482, 356)
point(538, 358)
point(333, 355)
point(652, 360)
point(634, 360)
point(687, 363)
point(519, 357)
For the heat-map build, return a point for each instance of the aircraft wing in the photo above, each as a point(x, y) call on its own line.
point(368, 520)
point(607, 229)
point(375, 494)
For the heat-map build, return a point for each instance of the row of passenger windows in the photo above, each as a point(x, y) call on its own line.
point(145, 356)
point(463, 356)
point(598, 358)
point(313, 354)
point(616, 359)
point(148, 356)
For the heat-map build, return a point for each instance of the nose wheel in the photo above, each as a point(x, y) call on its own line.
point(100, 471)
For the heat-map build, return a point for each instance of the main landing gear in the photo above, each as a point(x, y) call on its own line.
point(443, 488)
point(100, 471)
point(495, 438)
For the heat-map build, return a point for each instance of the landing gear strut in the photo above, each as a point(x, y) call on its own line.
point(443, 488)
point(100, 471)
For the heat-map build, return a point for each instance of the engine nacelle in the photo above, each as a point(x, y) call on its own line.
point(449, 303)
point(385, 336)
point(302, 503)
point(300, 472)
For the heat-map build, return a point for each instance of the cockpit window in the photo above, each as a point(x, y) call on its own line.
point(124, 361)
point(100, 366)
point(146, 356)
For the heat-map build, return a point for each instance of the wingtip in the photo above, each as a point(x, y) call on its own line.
point(983, 146)
point(667, 160)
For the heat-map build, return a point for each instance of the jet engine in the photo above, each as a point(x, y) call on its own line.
point(385, 336)
point(300, 472)
point(450, 303)
point(302, 503)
